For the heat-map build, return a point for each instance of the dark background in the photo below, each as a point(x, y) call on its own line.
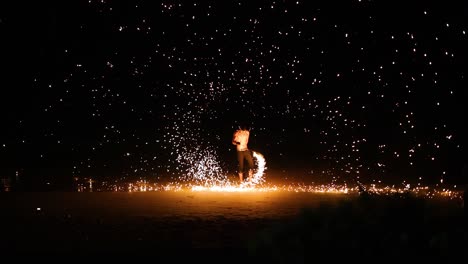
point(116, 90)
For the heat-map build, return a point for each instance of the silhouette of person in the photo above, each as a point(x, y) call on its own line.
point(240, 139)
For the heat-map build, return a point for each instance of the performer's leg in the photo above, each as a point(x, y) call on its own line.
point(240, 161)
point(249, 158)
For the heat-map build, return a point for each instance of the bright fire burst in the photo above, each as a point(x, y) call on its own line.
point(227, 186)
point(258, 176)
point(372, 189)
point(258, 184)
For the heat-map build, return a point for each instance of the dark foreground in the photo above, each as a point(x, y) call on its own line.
point(269, 227)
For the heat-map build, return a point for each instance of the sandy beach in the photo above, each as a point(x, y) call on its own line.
point(238, 222)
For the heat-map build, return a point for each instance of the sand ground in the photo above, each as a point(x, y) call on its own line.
point(163, 222)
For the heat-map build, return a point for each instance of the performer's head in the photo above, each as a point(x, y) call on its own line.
point(244, 125)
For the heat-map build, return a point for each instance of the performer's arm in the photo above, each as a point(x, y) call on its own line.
point(234, 139)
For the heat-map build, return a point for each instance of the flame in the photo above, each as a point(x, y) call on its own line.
point(257, 178)
point(257, 184)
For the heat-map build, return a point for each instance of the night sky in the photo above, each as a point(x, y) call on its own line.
point(332, 90)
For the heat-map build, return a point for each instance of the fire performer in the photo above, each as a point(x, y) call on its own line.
point(241, 140)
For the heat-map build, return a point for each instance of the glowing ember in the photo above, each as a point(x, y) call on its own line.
point(204, 169)
point(372, 189)
point(207, 175)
